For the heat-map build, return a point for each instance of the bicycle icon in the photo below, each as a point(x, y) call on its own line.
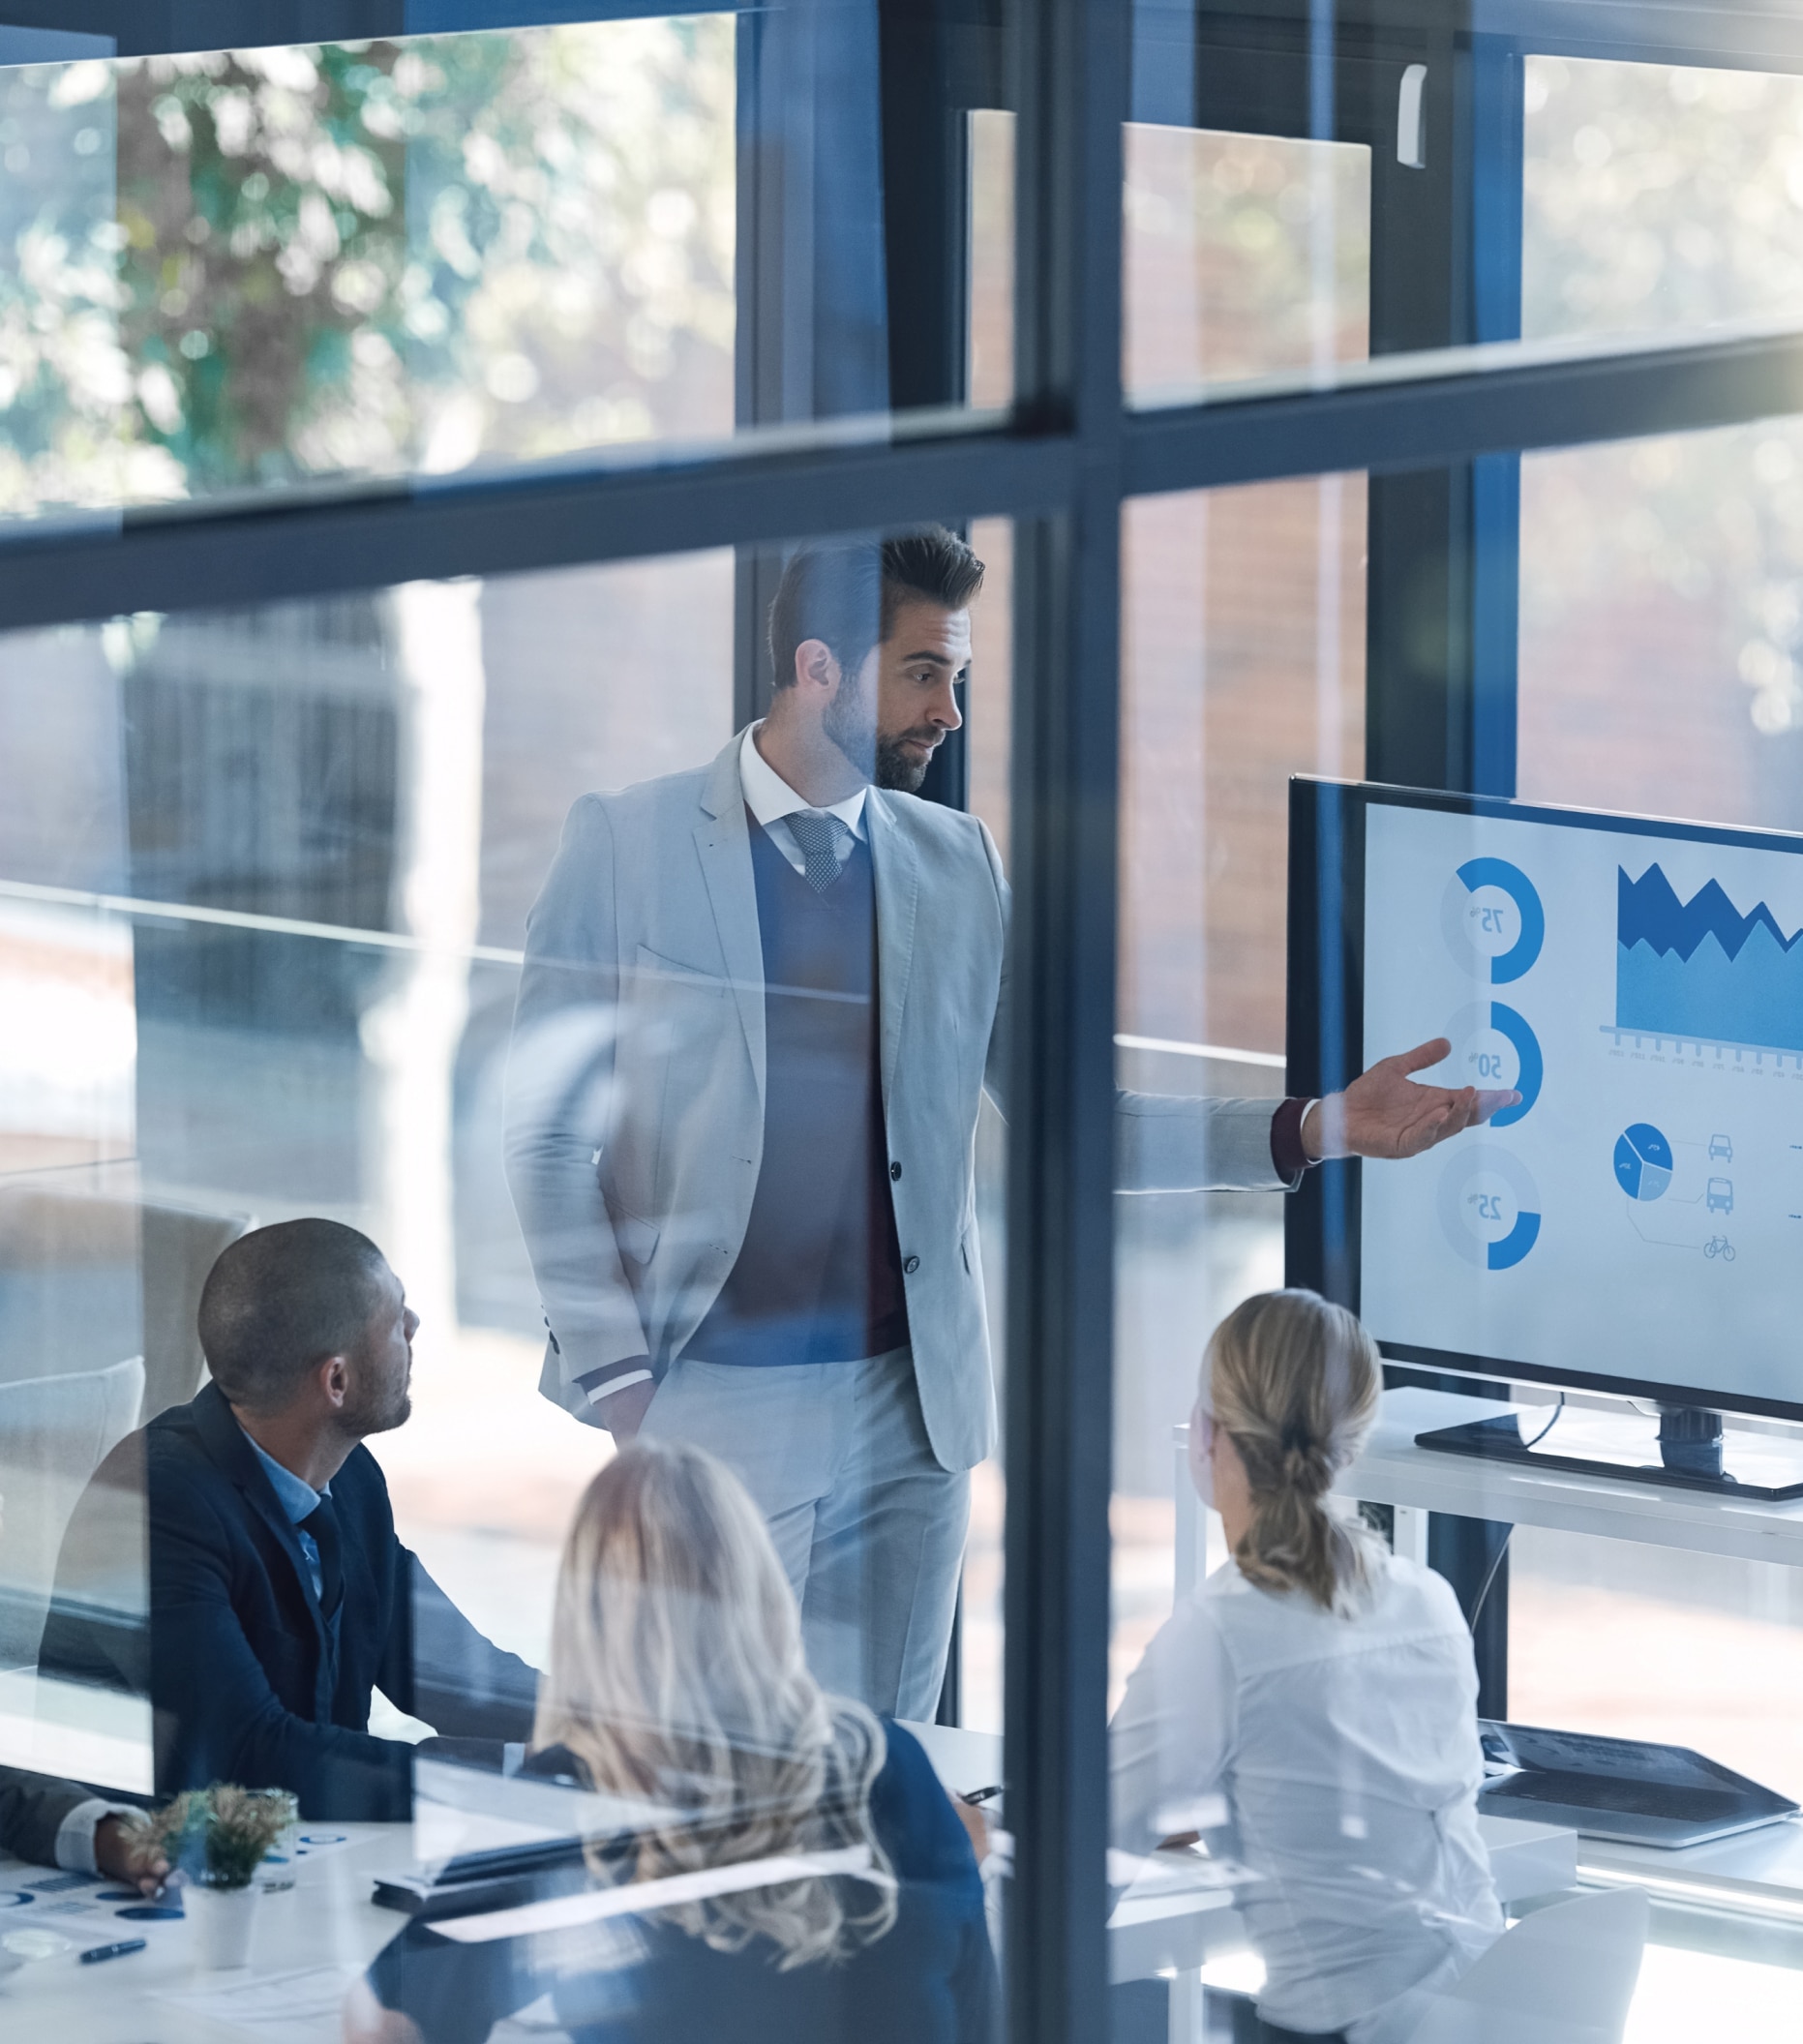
point(1720, 1246)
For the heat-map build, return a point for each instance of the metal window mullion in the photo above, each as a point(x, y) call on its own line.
point(515, 522)
point(1072, 93)
point(527, 519)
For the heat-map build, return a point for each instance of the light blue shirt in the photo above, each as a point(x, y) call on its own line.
point(298, 1500)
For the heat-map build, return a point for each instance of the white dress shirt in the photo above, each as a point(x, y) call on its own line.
point(1346, 1750)
point(769, 798)
point(74, 1835)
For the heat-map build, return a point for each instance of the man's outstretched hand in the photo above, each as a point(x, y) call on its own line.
point(1385, 1113)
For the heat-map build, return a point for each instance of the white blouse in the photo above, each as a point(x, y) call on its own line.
point(1347, 1748)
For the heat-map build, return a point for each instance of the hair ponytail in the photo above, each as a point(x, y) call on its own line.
point(1293, 1380)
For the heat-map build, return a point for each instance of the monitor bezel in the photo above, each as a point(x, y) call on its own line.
point(1325, 1048)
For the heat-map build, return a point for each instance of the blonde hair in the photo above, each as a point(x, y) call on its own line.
point(1293, 1381)
point(677, 1676)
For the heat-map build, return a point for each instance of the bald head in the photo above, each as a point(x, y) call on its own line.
point(283, 1299)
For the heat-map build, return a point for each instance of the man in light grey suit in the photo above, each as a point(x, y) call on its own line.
point(760, 1003)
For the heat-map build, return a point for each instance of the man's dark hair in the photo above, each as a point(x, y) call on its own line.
point(283, 1299)
point(846, 593)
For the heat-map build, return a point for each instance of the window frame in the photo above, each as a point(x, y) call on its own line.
point(1060, 464)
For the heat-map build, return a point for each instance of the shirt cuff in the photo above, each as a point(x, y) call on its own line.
point(603, 1383)
point(1288, 1159)
point(74, 1835)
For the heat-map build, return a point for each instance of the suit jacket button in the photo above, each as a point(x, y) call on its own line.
point(911, 1265)
point(894, 1171)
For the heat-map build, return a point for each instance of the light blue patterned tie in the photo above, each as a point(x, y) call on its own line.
point(825, 843)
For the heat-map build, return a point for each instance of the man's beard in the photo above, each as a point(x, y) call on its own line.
point(851, 723)
point(897, 768)
point(382, 1411)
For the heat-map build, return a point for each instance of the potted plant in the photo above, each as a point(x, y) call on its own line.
point(217, 1839)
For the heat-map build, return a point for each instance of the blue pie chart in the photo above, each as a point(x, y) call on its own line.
point(1642, 1161)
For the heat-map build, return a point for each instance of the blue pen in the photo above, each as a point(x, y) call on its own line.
point(96, 1953)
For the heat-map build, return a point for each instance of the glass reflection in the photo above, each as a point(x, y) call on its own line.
point(773, 1858)
point(1311, 1714)
point(367, 258)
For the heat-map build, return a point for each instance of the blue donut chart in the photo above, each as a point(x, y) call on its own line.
point(1521, 955)
point(1505, 1254)
point(1533, 1070)
point(1455, 1200)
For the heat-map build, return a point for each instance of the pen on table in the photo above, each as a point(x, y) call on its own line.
point(96, 1953)
point(982, 1795)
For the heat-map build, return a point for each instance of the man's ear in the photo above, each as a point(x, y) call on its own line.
point(334, 1379)
point(816, 665)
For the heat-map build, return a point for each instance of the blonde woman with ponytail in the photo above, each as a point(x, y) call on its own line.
point(676, 1686)
point(1320, 1693)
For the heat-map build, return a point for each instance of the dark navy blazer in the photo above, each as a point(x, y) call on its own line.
point(248, 1680)
point(930, 1979)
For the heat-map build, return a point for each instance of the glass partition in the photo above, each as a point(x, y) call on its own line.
point(438, 946)
point(512, 1287)
point(1659, 624)
point(1251, 1742)
point(238, 270)
point(1658, 196)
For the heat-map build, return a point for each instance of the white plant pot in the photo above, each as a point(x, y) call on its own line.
point(224, 1919)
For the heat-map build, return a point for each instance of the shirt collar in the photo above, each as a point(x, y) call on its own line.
point(296, 1496)
point(769, 797)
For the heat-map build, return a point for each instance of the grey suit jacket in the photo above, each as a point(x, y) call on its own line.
point(32, 1810)
point(635, 1088)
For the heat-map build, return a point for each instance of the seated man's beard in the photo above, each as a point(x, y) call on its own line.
point(894, 768)
point(379, 1408)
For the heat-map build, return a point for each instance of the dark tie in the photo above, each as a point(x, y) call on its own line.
point(322, 1524)
point(825, 842)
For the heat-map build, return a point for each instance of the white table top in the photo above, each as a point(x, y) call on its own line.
point(326, 1920)
point(1393, 1471)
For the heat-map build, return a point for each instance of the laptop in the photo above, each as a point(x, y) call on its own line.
point(1623, 1790)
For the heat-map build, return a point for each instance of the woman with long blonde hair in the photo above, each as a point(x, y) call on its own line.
point(1318, 1693)
point(805, 1875)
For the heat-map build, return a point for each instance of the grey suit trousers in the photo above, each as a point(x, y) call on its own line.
point(868, 1522)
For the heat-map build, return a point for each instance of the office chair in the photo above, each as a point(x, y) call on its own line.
point(1564, 1976)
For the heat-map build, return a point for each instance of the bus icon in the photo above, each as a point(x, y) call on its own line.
point(1721, 1196)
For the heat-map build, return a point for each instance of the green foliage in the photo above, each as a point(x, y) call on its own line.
point(219, 1837)
point(364, 257)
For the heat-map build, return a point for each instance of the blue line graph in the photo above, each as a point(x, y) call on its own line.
point(1701, 969)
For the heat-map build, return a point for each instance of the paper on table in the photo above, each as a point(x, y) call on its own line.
point(68, 1902)
point(303, 2007)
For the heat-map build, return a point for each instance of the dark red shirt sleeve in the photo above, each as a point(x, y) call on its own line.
point(1288, 1159)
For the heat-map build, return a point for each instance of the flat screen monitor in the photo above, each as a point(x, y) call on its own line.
point(1634, 1224)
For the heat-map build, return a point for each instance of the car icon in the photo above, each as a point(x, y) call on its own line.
point(1721, 1150)
point(1721, 1196)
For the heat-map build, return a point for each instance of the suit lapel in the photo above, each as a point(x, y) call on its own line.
point(896, 869)
point(232, 1454)
point(723, 843)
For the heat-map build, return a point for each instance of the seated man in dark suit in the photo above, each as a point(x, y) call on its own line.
point(56, 1824)
point(279, 1595)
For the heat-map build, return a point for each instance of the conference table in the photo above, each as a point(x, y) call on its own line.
point(318, 1928)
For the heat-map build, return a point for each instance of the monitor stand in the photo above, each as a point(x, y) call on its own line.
point(1685, 1445)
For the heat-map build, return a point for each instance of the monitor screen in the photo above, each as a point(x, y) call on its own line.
point(1634, 1221)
